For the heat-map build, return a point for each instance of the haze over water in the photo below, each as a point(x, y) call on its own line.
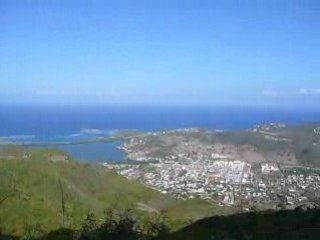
point(58, 123)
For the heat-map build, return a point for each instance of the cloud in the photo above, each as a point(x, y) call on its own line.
point(271, 93)
point(305, 91)
point(298, 92)
point(70, 93)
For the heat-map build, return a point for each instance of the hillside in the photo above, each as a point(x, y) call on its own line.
point(34, 184)
point(297, 224)
point(276, 142)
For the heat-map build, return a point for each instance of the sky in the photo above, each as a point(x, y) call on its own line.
point(210, 53)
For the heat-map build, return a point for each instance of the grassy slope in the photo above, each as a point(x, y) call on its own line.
point(36, 203)
point(38, 199)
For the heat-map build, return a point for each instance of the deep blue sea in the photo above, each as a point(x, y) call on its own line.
point(51, 123)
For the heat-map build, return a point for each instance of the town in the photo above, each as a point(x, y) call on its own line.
point(218, 173)
point(227, 182)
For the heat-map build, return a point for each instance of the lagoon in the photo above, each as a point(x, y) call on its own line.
point(96, 152)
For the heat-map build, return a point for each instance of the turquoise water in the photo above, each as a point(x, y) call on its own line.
point(51, 125)
point(96, 152)
point(69, 123)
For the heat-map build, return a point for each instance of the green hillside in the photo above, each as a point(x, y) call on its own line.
point(33, 186)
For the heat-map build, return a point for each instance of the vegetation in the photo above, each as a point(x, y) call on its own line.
point(39, 195)
point(295, 224)
point(45, 194)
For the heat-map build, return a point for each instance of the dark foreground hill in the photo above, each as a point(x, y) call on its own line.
point(296, 224)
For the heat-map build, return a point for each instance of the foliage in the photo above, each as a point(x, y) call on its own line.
point(296, 224)
point(40, 196)
point(123, 225)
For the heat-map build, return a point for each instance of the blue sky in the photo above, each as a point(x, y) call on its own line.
point(160, 52)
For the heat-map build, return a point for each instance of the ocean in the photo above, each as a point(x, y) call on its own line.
point(53, 124)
